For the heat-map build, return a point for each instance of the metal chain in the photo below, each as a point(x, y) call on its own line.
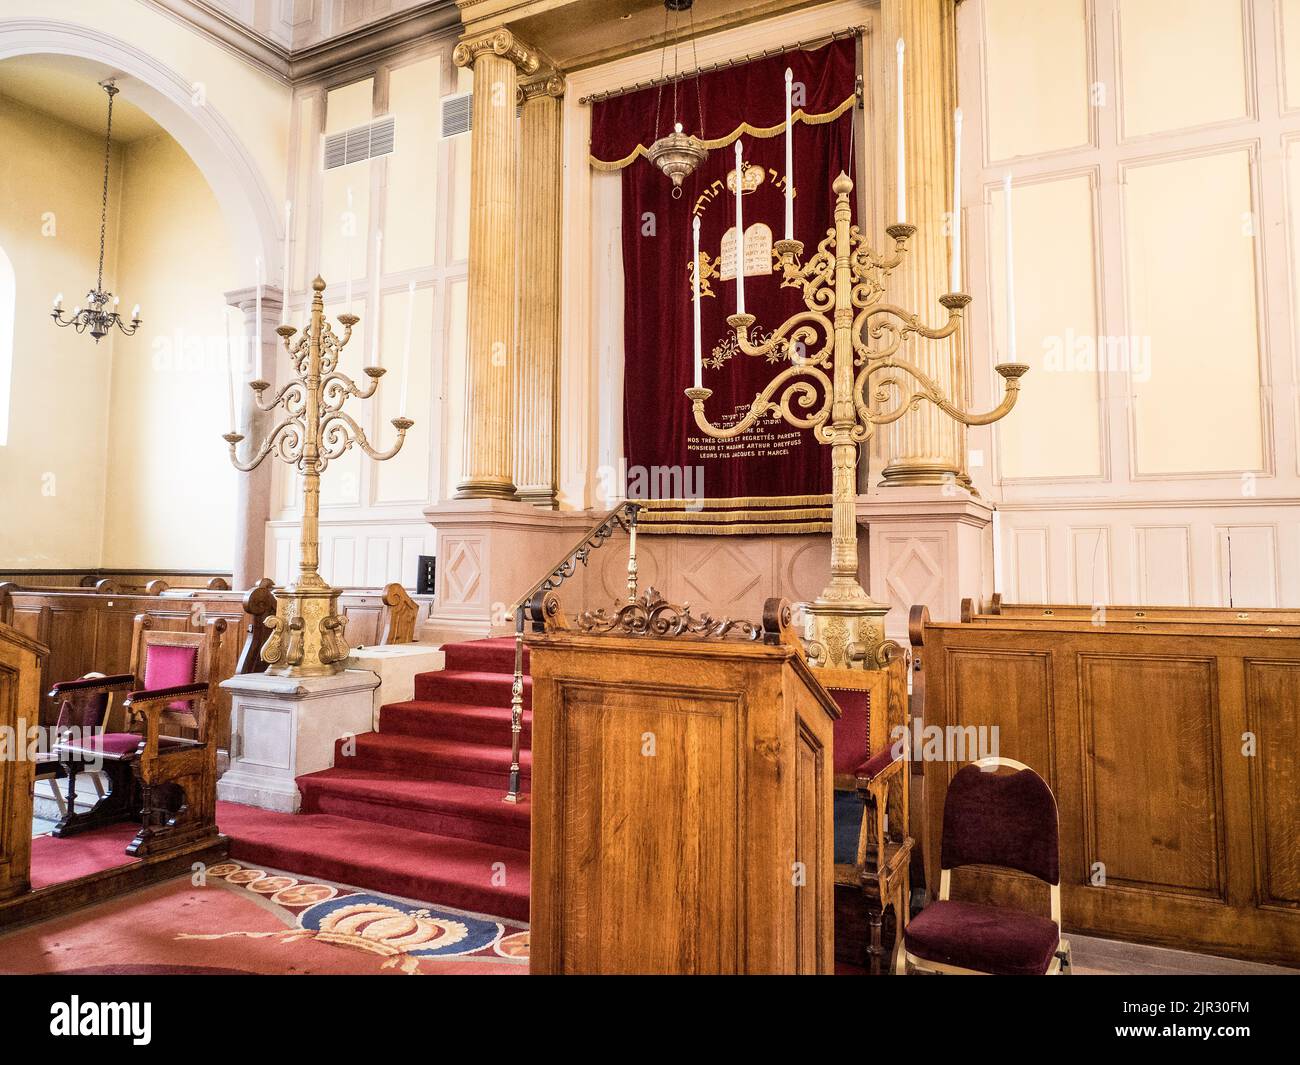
point(111, 89)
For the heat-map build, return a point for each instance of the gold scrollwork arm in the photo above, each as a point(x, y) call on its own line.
point(340, 430)
point(798, 328)
point(287, 429)
point(805, 393)
point(1011, 372)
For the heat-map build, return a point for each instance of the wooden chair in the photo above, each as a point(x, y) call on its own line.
point(1008, 821)
point(872, 848)
point(172, 685)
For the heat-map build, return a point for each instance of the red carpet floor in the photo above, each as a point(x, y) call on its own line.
point(416, 810)
point(249, 921)
point(55, 861)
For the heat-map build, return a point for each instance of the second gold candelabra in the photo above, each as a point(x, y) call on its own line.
point(307, 631)
point(847, 336)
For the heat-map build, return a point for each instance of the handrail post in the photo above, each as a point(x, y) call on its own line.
point(516, 707)
point(631, 553)
point(595, 537)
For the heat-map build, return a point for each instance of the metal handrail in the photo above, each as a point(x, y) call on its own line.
point(623, 516)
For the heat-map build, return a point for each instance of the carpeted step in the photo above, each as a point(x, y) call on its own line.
point(464, 874)
point(466, 686)
point(424, 758)
point(453, 721)
point(434, 806)
point(496, 655)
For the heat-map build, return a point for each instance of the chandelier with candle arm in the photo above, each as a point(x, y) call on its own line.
point(99, 314)
point(845, 375)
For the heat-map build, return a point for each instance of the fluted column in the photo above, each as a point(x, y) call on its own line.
point(925, 446)
point(253, 491)
point(537, 348)
point(496, 59)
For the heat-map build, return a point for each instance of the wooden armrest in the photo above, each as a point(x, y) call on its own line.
point(880, 766)
point(116, 682)
point(188, 692)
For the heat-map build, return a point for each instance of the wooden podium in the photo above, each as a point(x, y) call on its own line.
point(682, 796)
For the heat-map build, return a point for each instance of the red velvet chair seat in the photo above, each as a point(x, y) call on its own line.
point(986, 938)
point(114, 745)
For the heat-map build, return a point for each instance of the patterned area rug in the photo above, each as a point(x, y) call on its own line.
point(232, 918)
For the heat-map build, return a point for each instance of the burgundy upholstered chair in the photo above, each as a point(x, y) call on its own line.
point(872, 848)
point(166, 780)
point(1008, 821)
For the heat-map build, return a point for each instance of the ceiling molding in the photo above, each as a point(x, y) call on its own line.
point(432, 18)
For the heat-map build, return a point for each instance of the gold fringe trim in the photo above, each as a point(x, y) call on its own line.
point(824, 499)
point(699, 516)
point(655, 529)
point(741, 130)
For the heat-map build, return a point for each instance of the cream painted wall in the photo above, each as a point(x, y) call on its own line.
point(52, 469)
point(1153, 456)
point(253, 102)
point(170, 489)
point(372, 525)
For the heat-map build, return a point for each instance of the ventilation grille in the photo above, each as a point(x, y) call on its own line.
point(456, 111)
point(360, 144)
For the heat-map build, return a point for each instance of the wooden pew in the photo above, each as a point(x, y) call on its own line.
point(1212, 615)
point(90, 629)
point(1173, 747)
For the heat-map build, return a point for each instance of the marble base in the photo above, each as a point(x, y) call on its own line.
point(491, 551)
point(927, 545)
point(397, 666)
point(284, 727)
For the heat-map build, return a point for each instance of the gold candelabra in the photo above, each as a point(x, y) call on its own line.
point(306, 637)
point(847, 336)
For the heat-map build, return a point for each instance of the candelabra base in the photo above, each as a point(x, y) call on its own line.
point(306, 633)
point(846, 633)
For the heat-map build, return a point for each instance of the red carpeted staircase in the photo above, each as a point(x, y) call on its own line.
point(415, 809)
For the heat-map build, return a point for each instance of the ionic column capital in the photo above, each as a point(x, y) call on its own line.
point(499, 42)
point(552, 85)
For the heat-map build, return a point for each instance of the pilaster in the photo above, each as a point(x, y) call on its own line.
point(253, 494)
point(925, 447)
point(536, 459)
point(496, 58)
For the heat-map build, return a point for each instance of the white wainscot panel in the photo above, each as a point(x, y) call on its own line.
point(1246, 565)
point(1163, 560)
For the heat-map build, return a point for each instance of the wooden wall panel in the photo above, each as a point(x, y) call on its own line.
point(1171, 831)
point(623, 830)
point(1273, 718)
point(1150, 772)
point(1011, 691)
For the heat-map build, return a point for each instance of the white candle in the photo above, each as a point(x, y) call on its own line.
point(406, 348)
point(135, 313)
point(230, 376)
point(740, 235)
point(284, 306)
point(956, 202)
point(374, 315)
point(695, 291)
point(1011, 271)
point(902, 165)
point(789, 154)
point(58, 301)
point(257, 326)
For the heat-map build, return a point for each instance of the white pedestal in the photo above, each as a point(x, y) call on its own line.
point(284, 727)
point(927, 545)
point(397, 667)
point(489, 552)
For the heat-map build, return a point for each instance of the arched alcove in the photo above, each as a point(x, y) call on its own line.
point(252, 213)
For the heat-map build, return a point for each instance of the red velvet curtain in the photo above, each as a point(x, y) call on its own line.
point(772, 460)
